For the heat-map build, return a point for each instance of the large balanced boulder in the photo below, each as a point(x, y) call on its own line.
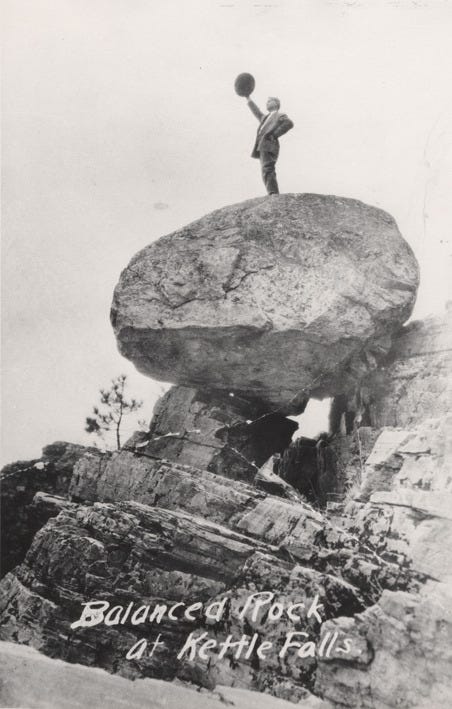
point(277, 299)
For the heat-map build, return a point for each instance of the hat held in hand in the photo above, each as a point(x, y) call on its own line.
point(244, 84)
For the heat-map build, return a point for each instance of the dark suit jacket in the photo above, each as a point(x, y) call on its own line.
point(268, 133)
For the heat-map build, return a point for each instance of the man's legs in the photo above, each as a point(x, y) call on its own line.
point(268, 162)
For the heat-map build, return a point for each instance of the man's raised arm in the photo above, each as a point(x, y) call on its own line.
point(255, 109)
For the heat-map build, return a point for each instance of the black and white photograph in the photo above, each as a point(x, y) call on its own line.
point(226, 354)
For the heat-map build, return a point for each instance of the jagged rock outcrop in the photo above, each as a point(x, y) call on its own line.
point(134, 553)
point(19, 483)
point(351, 453)
point(304, 533)
point(188, 536)
point(405, 482)
point(408, 482)
point(403, 653)
point(132, 475)
point(268, 481)
point(418, 458)
point(402, 643)
point(310, 466)
point(413, 383)
point(226, 435)
point(274, 299)
point(405, 638)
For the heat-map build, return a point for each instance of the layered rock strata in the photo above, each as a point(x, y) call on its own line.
point(402, 653)
point(227, 435)
point(292, 525)
point(20, 482)
point(130, 552)
point(185, 535)
point(408, 521)
point(413, 383)
point(400, 509)
point(310, 466)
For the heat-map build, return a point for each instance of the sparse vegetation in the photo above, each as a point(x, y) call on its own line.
point(108, 416)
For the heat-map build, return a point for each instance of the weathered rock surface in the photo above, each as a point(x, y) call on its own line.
point(133, 553)
point(414, 381)
point(226, 435)
point(210, 537)
point(408, 481)
point(402, 653)
point(310, 466)
point(419, 458)
point(268, 481)
point(403, 643)
point(136, 476)
point(19, 483)
point(351, 452)
point(30, 679)
point(276, 299)
point(290, 524)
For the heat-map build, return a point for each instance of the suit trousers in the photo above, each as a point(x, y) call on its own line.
point(268, 163)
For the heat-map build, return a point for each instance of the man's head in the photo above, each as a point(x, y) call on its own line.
point(273, 103)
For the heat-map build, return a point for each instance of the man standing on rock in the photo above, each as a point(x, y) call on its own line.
point(272, 126)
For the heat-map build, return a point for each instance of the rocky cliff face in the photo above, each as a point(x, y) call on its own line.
point(192, 512)
point(224, 434)
point(403, 641)
point(275, 299)
point(413, 381)
point(406, 485)
point(185, 537)
point(20, 481)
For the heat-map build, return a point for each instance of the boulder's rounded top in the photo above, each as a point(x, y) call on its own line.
point(275, 293)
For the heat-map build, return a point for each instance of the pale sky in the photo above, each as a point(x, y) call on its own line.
point(120, 124)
